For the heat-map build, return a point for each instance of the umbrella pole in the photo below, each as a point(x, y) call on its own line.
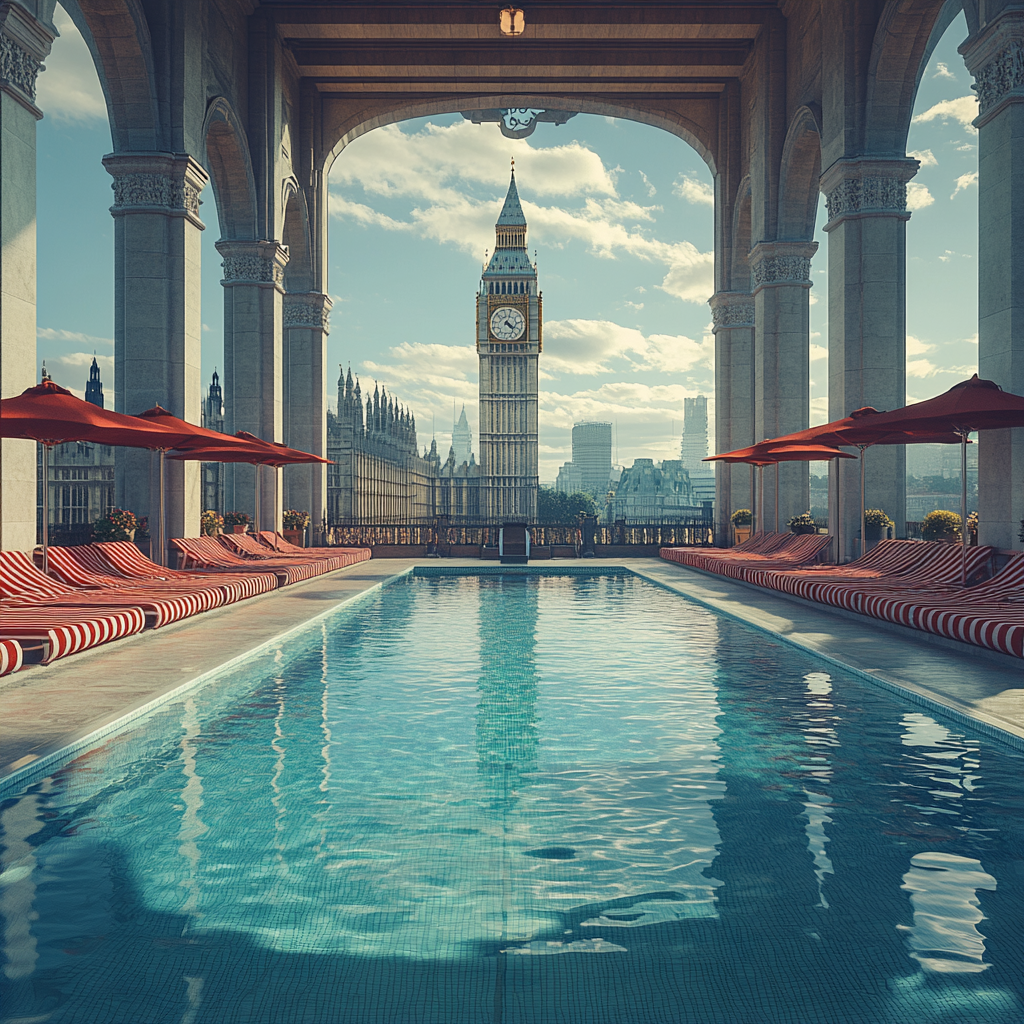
point(776, 497)
point(963, 508)
point(760, 496)
point(161, 529)
point(256, 518)
point(46, 506)
point(863, 538)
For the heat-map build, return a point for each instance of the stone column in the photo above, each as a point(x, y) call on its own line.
point(781, 274)
point(733, 319)
point(157, 319)
point(996, 59)
point(24, 42)
point(306, 326)
point(867, 215)
point(253, 373)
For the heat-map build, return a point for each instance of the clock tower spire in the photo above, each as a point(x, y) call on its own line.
point(508, 342)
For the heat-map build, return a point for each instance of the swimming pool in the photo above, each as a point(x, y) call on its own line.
point(521, 798)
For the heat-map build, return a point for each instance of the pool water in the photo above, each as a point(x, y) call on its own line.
point(522, 798)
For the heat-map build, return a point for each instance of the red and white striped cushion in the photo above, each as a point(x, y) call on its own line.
point(66, 630)
point(11, 656)
point(206, 553)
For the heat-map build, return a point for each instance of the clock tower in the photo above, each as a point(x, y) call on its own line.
point(508, 342)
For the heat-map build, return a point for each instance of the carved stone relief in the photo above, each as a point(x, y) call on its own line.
point(18, 67)
point(854, 195)
point(1000, 75)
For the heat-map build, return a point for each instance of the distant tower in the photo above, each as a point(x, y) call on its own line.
point(462, 439)
point(213, 405)
point(212, 474)
point(592, 455)
point(694, 446)
point(94, 386)
point(508, 340)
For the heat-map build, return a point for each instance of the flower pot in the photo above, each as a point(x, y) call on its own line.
point(295, 537)
point(740, 534)
point(947, 538)
point(875, 533)
point(237, 527)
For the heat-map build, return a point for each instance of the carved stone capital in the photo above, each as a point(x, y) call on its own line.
point(309, 310)
point(149, 182)
point(24, 42)
point(777, 264)
point(253, 262)
point(995, 57)
point(731, 310)
point(858, 188)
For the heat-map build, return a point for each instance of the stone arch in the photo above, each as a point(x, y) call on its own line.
point(798, 180)
point(295, 234)
point(117, 34)
point(903, 41)
point(226, 157)
point(742, 242)
point(699, 134)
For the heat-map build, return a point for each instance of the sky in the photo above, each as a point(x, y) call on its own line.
point(620, 215)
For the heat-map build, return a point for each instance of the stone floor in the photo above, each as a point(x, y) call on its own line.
point(47, 708)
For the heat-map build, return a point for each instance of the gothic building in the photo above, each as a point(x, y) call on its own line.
point(509, 342)
point(213, 473)
point(653, 493)
point(378, 475)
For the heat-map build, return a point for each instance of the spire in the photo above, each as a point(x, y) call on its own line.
point(94, 386)
point(512, 212)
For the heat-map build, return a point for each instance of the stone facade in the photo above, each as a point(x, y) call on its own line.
point(649, 492)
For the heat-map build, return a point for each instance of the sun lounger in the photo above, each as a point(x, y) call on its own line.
point(22, 585)
point(126, 559)
point(245, 546)
point(350, 556)
point(11, 656)
point(206, 553)
point(65, 631)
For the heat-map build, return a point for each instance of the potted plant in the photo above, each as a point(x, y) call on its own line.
point(803, 523)
point(211, 523)
point(295, 524)
point(876, 525)
point(942, 526)
point(117, 524)
point(741, 520)
point(237, 522)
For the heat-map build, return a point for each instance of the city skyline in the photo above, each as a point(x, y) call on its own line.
point(621, 215)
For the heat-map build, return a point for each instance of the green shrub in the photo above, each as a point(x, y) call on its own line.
point(294, 520)
point(237, 519)
point(742, 517)
point(803, 523)
point(117, 524)
point(940, 523)
point(876, 517)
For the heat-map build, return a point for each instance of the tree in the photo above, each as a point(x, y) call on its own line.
point(554, 507)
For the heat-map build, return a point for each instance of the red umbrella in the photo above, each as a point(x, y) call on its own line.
point(768, 452)
point(51, 415)
point(973, 404)
point(191, 438)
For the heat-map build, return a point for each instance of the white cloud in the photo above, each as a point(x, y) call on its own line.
point(942, 71)
point(71, 370)
point(965, 181)
point(963, 110)
point(818, 352)
point(819, 410)
point(55, 334)
point(69, 89)
point(651, 190)
point(966, 147)
point(694, 191)
point(634, 305)
point(926, 156)
point(921, 368)
point(917, 347)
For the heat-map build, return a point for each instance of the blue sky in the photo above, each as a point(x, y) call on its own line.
point(620, 215)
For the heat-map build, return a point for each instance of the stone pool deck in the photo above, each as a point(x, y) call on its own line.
point(49, 707)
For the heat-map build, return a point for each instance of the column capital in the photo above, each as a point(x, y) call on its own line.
point(167, 183)
point(308, 310)
point(731, 310)
point(867, 187)
point(778, 264)
point(253, 262)
point(995, 57)
point(24, 43)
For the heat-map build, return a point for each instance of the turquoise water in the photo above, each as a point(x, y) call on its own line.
point(522, 799)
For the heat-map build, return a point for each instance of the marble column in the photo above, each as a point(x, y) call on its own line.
point(157, 319)
point(781, 274)
point(996, 59)
point(306, 326)
point(253, 364)
point(867, 215)
point(24, 42)
point(733, 326)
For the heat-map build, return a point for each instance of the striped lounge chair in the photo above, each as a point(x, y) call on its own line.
point(205, 553)
point(244, 546)
point(804, 549)
point(757, 543)
point(773, 546)
point(11, 656)
point(22, 585)
point(349, 556)
point(64, 631)
point(126, 559)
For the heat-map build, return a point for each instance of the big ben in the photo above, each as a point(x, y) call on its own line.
point(509, 342)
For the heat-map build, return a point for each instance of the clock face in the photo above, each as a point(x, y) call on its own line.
point(508, 324)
